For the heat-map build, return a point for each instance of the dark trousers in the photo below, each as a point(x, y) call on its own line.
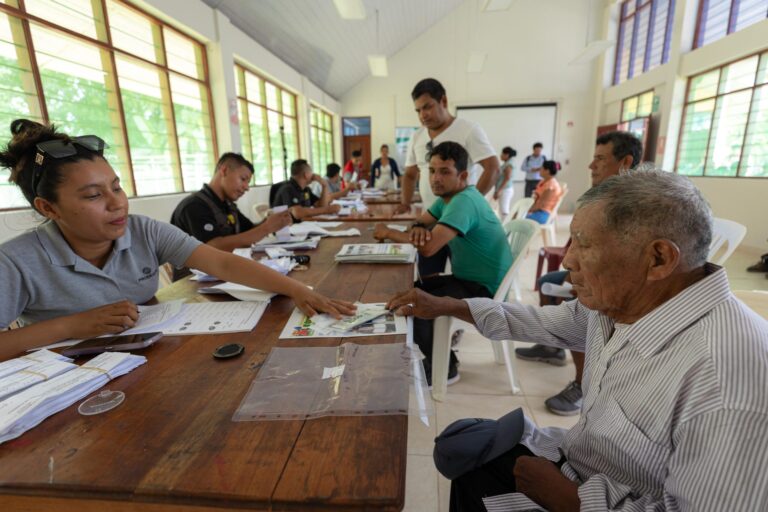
point(435, 264)
point(442, 286)
point(494, 478)
point(530, 186)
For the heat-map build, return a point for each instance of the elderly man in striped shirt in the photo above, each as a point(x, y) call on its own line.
point(675, 411)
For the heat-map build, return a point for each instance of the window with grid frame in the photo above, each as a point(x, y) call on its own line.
point(105, 67)
point(321, 135)
point(637, 106)
point(725, 121)
point(718, 18)
point(268, 126)
point(645, 28)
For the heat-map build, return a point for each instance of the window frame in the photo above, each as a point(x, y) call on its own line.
point(717, 95)
point(652, 6)
point(322, 111)
point(638, 95)
point(698, 39)
point(20, 12)
point(242, 94)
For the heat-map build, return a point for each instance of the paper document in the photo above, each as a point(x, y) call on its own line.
point(245, 293)
point(305, 243)
point(39, 356)
point(28, 408)
point(377, 253)
point(383, 322)
point(32, 375)
point(311, 228)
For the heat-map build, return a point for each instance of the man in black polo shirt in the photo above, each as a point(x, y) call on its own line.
point(211, 215)
point(297, 196)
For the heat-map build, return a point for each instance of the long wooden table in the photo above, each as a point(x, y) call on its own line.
point(377, 213)
point(172, 445)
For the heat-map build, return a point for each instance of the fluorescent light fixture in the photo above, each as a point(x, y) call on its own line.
point(476, 62)
point(496, 5)
point(592, 51)
point(378, 65)
point(350, 9)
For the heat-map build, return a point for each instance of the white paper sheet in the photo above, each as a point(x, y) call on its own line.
point(319, 326)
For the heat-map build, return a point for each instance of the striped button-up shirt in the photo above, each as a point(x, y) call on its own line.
point(675, 410)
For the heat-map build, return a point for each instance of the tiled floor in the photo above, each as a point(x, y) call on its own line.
point(483, 390)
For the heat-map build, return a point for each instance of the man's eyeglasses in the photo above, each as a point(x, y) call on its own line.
point(429, 151)
point(57, 149)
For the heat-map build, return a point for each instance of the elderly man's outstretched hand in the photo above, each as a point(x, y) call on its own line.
point(417, 303)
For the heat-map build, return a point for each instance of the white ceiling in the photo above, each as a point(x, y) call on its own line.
point(311, 37)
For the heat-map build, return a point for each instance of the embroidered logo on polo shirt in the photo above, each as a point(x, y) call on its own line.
point(146, 270)
point(148, 274)
point(208, 227)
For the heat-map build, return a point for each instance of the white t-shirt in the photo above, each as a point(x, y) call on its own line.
point(462, 131)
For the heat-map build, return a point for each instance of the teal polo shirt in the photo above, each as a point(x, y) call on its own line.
point(43, 278)
point(480, 252)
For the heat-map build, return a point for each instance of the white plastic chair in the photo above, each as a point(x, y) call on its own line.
point(520, 208)
point(260, 212)
point(520, 234)
point(726, 237)
point(548, 233)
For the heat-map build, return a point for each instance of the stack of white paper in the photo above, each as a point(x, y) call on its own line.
point(18, 364)
point(245, 293)
point(295, 242)
point(31, 375)
point(312, 228)
point(373, 192)
point(376, 253)
point(350, 205)
point(30, 407)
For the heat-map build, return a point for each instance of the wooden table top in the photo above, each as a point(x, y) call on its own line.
point(172, 444)
point(377, 213)
point(389, 198)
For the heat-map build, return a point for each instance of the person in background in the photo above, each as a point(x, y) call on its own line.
point(353, 169)
point(504, 189)
point(547, 193)
point(460, 218)
point(297, 196)
point(211, 215)
point(384, 172)
point(532, 167)
point(335, 184)
point(81, 273)
point(615, 152)
point(438, 125)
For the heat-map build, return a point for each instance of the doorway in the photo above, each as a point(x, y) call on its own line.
point(357, 137)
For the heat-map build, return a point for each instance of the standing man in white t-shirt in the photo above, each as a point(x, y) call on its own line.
point(438, 125)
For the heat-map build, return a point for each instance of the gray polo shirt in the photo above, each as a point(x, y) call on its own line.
point(43, 278)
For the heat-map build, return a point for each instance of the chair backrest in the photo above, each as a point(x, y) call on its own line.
point(553, 215)
point(273, 192)
point(259, 212)
point(520, 232)
point(520, 208)
point(726, 237)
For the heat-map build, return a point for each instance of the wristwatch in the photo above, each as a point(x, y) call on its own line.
point(418, 225)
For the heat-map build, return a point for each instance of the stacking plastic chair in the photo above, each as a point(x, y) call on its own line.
point(520, 233)
point(520, 208)
point(548, 229)
point(726, 237)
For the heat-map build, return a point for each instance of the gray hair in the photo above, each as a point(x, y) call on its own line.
point(653, 204)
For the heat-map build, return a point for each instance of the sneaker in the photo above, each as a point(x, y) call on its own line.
point(453, 373)
point(567, 402)
point(456, 337)
point(543, 354)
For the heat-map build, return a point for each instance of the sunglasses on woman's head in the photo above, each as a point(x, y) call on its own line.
point(57, 149)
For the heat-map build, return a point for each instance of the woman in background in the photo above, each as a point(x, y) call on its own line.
point(504, 186)
point(546, 194)
point(384, 172)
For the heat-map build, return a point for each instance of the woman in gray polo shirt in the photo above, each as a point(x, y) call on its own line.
point(81, 273)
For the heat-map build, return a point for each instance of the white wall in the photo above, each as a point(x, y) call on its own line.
point(528, 51)
point(738, 199)
point(224, 42)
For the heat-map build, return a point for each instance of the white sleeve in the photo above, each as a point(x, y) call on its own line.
point(410, 154)
point(478, 146)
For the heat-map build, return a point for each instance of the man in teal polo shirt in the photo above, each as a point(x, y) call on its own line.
point(462, 219)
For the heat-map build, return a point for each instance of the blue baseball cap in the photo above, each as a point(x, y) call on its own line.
point(469, 443)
